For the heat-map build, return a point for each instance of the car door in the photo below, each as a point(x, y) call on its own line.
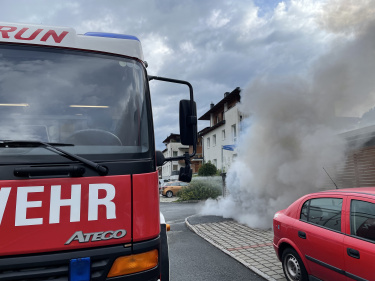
point(318, 235)
point(176, 187)
point(360, 241)
point(182, 185)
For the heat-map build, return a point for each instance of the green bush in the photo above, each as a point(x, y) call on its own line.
point(199, 190)
point(207, 169)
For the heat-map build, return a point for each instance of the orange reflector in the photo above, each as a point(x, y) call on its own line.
point(168, 227)
point(134, 263)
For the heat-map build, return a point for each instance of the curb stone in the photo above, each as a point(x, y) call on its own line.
point(217, 245)
point(189, 201)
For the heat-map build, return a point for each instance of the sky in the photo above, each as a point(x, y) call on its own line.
point(216, 45)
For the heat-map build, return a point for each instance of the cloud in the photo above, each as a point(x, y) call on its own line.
point(217, 19)
point(158, 51)
point(187, 47)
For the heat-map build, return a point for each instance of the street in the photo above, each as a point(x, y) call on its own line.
point(191, 257)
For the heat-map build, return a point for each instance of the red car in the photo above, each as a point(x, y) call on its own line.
point(328, 235)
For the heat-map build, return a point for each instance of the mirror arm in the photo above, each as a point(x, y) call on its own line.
point(177, 82)
point(185, 172)
point(182, 157)
point(192, 120)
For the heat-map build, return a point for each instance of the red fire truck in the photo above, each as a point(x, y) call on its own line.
point(79, 194)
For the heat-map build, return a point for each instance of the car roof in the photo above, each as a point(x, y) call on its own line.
point(355, 190)
point(172, 182)
point(364, 191)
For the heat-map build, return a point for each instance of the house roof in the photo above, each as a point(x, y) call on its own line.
point(172, 137)
point(234, 95)
point(209, 129)
point(364, 136)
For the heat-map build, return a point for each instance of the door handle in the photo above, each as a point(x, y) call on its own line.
point(302, 234)
point(353, 253)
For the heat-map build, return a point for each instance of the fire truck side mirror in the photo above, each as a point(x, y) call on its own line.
point(188, 122)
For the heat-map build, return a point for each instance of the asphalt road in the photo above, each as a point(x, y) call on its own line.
point(193, 258)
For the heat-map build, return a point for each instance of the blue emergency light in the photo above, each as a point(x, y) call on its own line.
point(80, 269)
point(111, 35)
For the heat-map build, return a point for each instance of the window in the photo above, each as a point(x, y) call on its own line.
point(208, 142)
point(223, 134)
point(175, 167)
point(362, 219)
point(325, 212)
point(213, 140)
point(234, 133)
point(106, 115)
point(169, 184)
point(175, 154)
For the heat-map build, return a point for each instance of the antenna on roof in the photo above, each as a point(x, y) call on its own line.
point(330, 178)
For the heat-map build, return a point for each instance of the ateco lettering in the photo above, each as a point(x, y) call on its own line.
point(96, 236)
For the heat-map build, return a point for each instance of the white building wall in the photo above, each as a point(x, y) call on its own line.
point(214, 152)
point(173, 149)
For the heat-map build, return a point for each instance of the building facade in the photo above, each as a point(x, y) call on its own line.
point(358, 170)
point(197, 160)
point(173, 148)
point(220, 138)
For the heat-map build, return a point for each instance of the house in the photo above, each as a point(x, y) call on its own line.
point(173, 148)
point(220, 138)
point(359, 168)
point(197, 160)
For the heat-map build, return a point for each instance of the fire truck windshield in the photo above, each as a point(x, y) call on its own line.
point(93, 101)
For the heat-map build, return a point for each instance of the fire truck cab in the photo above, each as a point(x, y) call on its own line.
point(79, 196)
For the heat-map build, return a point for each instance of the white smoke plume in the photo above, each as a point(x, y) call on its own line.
point(292, 132)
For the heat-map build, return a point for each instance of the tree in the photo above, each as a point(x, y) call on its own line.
point(207, 169)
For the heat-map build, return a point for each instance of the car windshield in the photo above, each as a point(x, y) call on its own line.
point(93, 101)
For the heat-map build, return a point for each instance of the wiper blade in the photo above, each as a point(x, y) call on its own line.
point(23, 143)
point(52, 147)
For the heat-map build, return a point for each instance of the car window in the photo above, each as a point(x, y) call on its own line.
point(362, 219)
point(184, 184)
point(323, 211)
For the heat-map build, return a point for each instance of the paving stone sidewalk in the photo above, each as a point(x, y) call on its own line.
point(251, 247)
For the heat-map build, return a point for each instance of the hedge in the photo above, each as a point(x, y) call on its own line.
point(200, 190)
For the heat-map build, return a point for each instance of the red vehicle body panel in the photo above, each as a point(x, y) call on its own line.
point(363, 266)
point(146, 215)
point(29, 202)
point(324, 251)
